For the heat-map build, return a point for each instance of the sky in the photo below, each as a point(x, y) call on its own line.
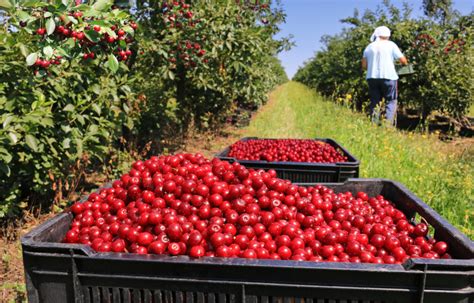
point(309, 20)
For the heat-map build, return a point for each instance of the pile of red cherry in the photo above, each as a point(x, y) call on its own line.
point(293, 150)
point(185, 204)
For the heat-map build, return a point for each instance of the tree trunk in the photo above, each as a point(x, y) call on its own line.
point(425, 112)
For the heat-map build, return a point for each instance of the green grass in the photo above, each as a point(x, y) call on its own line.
point(470, 112)
point(440, 177)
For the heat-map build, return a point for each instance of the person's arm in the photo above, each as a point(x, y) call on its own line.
point(364, 64)
point(364, 58)
point(398, 55)
point(403, 60)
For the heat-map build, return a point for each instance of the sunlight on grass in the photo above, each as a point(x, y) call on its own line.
point(443, 181)
point(470, 112)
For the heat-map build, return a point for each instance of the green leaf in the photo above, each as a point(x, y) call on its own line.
point(22, 15)
point(70, 43)
point(50, 26)
point(113, 63)
point(5, 4)
point(81, 120)
point(68, 19)
point(66, 128)
point(115, 109)
point(130, 123)
point(5, 169)
point(102, 5)
point(68, 108)
point(79, 147)
point(47, 122)
point(92, 35)
point(32, 142)
point(126, 89)
point(31, 59)
point(171, 75)
point(23, 50)
point(110, 32)
point(62, 52)
point(7, 122)
point(5, 156)
point(34, 3)
point(13, 137)
point(120, 14)
point(93, 129)
point(236, 66)
point(126, 109)
point(48, 51)
point(96, 89)
point(128, 29)
point(96, 108)
point(102, 23)
point(66, 143)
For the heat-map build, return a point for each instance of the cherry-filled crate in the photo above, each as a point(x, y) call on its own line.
point(303, 172)
point(59, 272)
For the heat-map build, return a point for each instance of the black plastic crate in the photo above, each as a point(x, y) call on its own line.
point(304, 172)
point(58, 272)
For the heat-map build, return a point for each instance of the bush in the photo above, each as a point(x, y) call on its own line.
point(236, 69)
point(54, 127)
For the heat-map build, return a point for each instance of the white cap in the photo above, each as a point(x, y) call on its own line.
point(380, 31)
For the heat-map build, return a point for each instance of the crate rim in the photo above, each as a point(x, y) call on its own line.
point(223, 154)
point(28, 241)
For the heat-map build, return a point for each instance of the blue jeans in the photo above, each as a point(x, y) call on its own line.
point(387, 89)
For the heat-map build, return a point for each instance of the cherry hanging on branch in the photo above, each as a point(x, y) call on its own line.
point(70, 30)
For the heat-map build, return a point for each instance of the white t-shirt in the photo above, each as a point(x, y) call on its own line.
point(380, 56)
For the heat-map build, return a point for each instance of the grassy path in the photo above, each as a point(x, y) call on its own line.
point(443, 179)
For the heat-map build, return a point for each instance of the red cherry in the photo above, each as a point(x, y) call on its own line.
point(249, 254)
point(214, 208)
point(197, 251)
point(77, 208)
point(77, 15)
point(157, 247)
point(440, 248)
point(327, 251)
point(421, 230)
point(72, 236)
point(41, 31)
point(118, 245)
point(353, 248)
point(174, 248)
point(145, 238)
point(377, 240)
point(217, 240)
